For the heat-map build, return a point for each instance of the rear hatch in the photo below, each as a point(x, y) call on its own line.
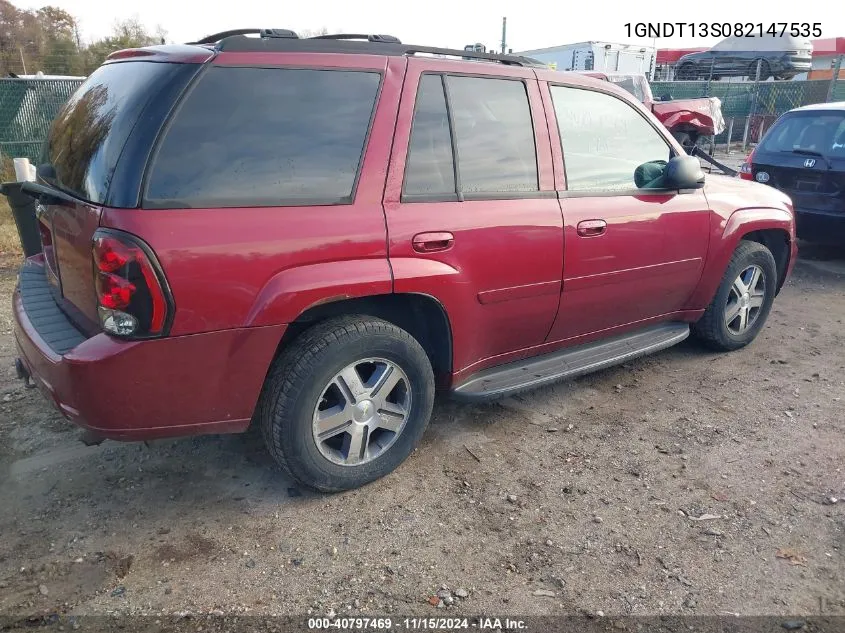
point(803, 155)
point(94, 157)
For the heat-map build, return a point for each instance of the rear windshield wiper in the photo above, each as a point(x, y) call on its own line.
point(812, 152)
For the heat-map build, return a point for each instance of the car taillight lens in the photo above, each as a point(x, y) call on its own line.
point(745, 171)
point(132, 296)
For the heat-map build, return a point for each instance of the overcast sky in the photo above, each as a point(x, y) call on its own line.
point(448, 23)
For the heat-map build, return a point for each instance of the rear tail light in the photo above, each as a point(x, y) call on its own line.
point(745, 171)
point(132, 294)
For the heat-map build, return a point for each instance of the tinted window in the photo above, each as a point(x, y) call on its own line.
point(430, 168)
point(89, 132)
point(607, 144)
point(494, 134)
point(265, 137)
point(822, 132)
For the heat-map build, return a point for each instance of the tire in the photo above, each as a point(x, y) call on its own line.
point(765, 70)
point(304, 384)
point(686, 72)
point(714, 329)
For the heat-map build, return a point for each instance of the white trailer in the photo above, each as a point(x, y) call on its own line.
point(600, 56)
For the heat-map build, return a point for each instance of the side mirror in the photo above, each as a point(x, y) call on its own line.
point(684, 172)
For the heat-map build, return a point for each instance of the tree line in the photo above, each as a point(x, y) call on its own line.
point(48, 40)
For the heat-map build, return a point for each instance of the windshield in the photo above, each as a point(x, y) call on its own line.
point(89, 132)
point(821, 132)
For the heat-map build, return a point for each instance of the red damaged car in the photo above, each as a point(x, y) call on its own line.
point(310, 235)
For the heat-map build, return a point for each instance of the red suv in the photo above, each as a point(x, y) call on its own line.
point(311, 234)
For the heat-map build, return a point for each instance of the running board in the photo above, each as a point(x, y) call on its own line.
point(571, 362)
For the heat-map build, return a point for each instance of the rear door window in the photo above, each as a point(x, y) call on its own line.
point(494, 135)
point(430, 170)
point(265, 137)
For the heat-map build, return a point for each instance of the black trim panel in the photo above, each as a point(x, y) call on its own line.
point(622, 192)
point(52, 325)
point(568, 363)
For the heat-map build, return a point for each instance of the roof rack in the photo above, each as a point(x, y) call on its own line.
point(386, 39)
point(235, 41)
point(268, 33)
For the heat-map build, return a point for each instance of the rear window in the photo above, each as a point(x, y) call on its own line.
point(247, 137)
point(89, 132)
point(822, 132)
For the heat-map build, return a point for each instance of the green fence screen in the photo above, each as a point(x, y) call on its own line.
point(27, 107)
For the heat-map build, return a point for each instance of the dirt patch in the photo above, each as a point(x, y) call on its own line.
point(193, 546)
point(684, 483)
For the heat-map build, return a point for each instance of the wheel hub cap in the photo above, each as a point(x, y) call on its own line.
point(745, 299)
point(361, 412)
point(364, 411)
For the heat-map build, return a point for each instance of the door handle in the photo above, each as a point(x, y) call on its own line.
point(433, 242)
point(592, 228)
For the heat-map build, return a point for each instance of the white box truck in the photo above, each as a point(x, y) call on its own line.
point(600, 56)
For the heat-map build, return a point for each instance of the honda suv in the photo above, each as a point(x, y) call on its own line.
point(310, 235)
point(803, 155)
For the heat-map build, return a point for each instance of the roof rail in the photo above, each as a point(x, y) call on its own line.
point(512, 60)
point(269, 33)
point(387, 39)
point(349, 44)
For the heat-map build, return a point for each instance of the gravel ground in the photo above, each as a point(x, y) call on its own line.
point(685, 483)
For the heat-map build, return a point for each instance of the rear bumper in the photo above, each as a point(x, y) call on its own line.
point(136, 390)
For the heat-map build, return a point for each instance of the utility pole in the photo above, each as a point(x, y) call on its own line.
point(831, 89)
point(504, 35)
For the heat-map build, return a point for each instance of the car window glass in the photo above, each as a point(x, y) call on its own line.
point(815, 132)
point(265, 137)
point(630, 84)
point(89, 133)
point(430, 169)
point(494, 135)
point(607, 144)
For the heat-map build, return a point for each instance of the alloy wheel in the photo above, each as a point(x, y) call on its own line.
point(362, 411)
point(745, 299)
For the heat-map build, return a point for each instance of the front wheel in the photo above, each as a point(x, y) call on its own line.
point(347, 402)
point(743, 301)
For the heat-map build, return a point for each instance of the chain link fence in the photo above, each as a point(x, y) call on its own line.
point(750, 107)
point(27, 107)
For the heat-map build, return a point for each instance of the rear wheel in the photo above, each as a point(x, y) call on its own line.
point(743, 301)
point(347, 402)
